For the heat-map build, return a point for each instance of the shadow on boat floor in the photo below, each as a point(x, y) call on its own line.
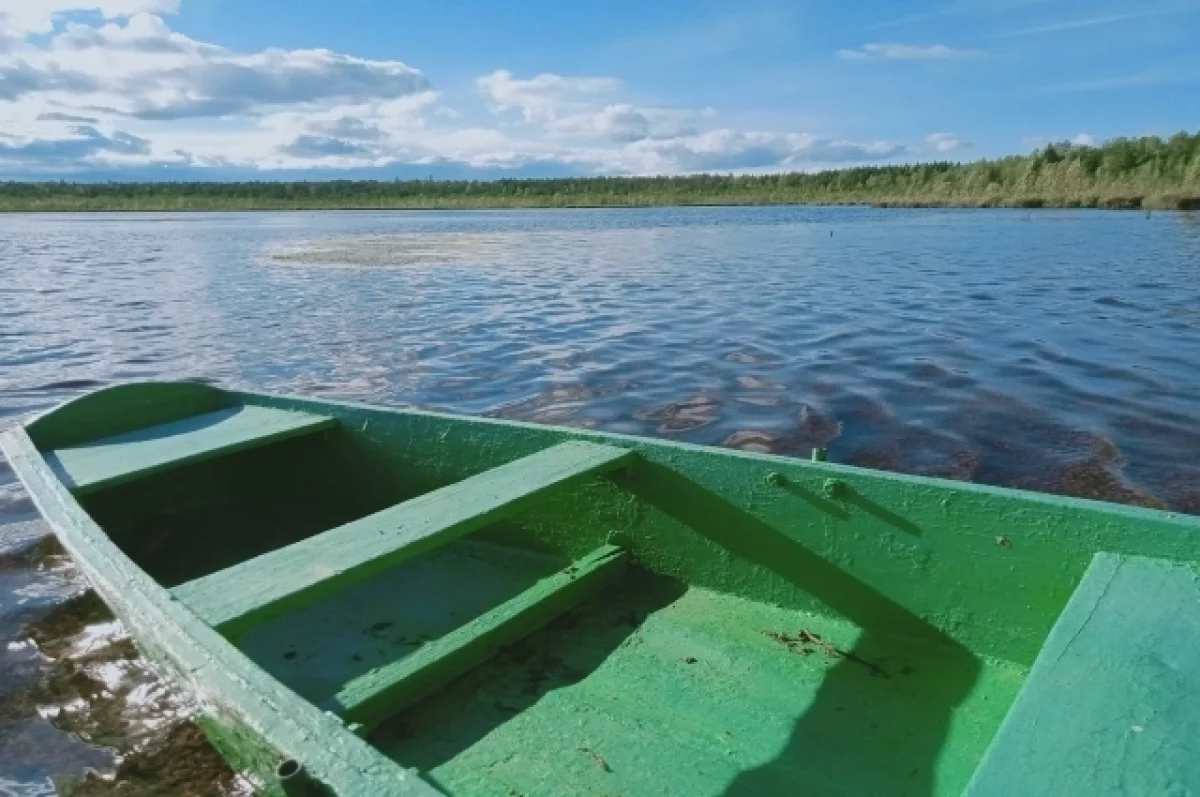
point(652, 687)
point(439, 729)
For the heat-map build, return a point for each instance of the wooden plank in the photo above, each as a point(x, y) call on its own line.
point(248, 593)
point(124, 457)
point(370, 699)
point(1112, 704)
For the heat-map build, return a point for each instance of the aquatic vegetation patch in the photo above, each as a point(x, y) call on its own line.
point(401, 251)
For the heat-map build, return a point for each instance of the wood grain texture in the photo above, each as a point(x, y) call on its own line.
point(372, 698)
point(124, 457)
point(238, 597)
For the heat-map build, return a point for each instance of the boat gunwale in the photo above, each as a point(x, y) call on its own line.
point(638, 443)
point(216, 674)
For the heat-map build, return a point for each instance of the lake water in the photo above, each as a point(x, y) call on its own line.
point(1049, 350)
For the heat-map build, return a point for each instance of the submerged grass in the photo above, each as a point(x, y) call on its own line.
point(1143, 173)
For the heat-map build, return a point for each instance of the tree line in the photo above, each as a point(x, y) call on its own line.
point(1147, 172)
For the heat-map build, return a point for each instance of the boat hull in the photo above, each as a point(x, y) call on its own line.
point(857, 631)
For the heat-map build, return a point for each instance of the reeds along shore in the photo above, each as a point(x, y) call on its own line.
point(1146, 173)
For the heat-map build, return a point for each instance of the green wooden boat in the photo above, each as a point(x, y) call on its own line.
point(387, 602)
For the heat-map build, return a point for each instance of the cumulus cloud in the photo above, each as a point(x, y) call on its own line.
point(947, 142)
point(543, 97)
point(55, 116)
point(141, 33)
point(18, 78)
point(82, 146)
point(350, 128)
point(626, 122)
point(906, 52)
point(581, 128)
point(576, 106)
point(731, 150)
point(118, 86)
point(22, 17)
point(252, 84)
point(142, 69)
point(308, 146)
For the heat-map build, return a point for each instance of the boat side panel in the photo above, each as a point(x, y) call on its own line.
point(990, 567)
point(225, 682)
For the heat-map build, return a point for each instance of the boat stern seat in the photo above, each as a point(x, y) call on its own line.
point(93, 465)
point(1112, 703)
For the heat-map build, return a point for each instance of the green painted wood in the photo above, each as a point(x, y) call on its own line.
point(765, 528)
point(372, 698)
point(961, 581)
point(259, 722)
point(699, 700)
point(239, 597)
point(1112, 704)
point(124, 457)
point(123, 408)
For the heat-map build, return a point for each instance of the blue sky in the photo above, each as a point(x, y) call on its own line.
point(218, 89)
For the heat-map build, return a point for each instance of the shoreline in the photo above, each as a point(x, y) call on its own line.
point(1147, 173)
point(1161, 204)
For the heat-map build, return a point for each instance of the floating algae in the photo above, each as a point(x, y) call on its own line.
point(598, 247)
point(400, 251)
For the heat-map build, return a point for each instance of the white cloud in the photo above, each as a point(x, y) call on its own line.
point(626, 122)
point(143, 69)
point(317, 147)
point(21, 17)
point(82, 143)
point(906, 52)
point(947, 142)
point(19, 77)
point(544, 97)
point(729, 150)
point(576, 106)
point(118, 87)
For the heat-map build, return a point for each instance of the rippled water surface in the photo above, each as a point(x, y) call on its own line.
point(1052, 350)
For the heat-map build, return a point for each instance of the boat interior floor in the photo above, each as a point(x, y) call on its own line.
point(733, 697)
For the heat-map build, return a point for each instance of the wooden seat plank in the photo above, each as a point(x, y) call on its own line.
point(1112, 704)
point(248, 593)
point(379, 694)
point(125, 457)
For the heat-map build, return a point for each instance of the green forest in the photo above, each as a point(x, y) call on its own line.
point(1148, 172)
